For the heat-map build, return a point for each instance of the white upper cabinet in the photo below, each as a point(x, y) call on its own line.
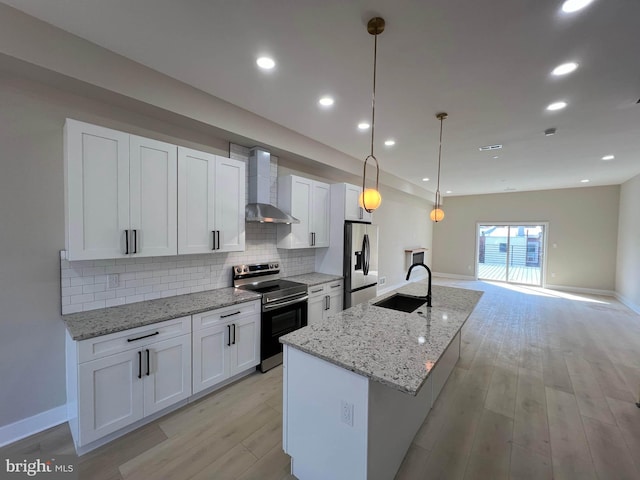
point(211, 198)
point(153, 197)
point(308, 201)
point(96, 191)
point(120, 194)
point(129, 196)
point(352, 208)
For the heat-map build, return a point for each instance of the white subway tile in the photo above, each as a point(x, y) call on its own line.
point(152, 296)
point(144, 274)
point(161, 287)
point(68, 291)
point(133, 283)
point(161, 273)
point(65, 282)
point(66, 300)
point(93, 305)
point(175, 285)
point(84, 298)
point(183, 277)
point(93, 271)
point(115, 269)
point(104, 263)
point(169, 279)
point(143, 290)
point(100, 279)
point(183, 291)
point(100, 287)
point(134, 299)
point(109, 294)
point(79, 281)
point(66, 309)
point(169, 293)
point(114, 302)
point(197, 288)
point(152, 281)
point(124, 292)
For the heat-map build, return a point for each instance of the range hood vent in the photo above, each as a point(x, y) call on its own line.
point(259, 208)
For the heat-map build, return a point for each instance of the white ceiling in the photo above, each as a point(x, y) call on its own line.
point(487, 64)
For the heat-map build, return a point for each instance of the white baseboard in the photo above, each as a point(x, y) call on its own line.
point(591, 291)
point(31, 425)
point(625, 301)
point(454, 276)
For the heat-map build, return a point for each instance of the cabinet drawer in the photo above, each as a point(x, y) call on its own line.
point(226, 314)
point(112, 343)
point(328, 288)
point(332, 287)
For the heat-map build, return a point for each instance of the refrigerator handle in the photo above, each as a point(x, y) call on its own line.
point(366, 252)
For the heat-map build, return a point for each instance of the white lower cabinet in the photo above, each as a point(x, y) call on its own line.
point(117, 379)
point(324, 300)
point(226, 342)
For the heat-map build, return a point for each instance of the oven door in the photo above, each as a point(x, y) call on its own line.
point(278, 321)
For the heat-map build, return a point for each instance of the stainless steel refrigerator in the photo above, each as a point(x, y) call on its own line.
point(360, 266)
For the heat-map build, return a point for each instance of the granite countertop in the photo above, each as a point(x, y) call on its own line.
point(394, 348)
point(94, 323)
point(314, 278)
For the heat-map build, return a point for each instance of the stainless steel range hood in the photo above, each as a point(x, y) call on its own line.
point(259, 208)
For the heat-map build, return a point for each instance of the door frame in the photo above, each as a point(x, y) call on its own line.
point(545, 236)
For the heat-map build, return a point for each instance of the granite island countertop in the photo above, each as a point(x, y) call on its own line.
point(314, 278)
point(394, 348)
point(94, 323)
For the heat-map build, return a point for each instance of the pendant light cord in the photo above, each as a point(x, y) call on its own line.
point(373, 99)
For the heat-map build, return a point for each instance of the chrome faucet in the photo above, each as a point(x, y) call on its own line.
point(429, 272)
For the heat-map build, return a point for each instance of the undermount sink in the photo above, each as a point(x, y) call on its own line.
point(401, 302)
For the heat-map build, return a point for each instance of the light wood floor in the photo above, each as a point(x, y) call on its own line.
point(545, 388)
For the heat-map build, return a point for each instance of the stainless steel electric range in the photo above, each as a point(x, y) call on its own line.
point(284, 306)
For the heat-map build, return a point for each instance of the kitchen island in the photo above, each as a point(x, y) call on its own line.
point(358, 386)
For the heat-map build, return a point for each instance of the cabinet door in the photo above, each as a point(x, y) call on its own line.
point(320, 213)
point(109, 394)
point(230, 204)
point(210, 358)
point(316, 305)
point(96, 191)
point(153, 197)
point(352, 208)
point(246, 343)
point(301, 195)
point(335, 298)
point(167, 373)
point(196, 173)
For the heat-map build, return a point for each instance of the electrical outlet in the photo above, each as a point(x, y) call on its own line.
point(382, 280)
point(553, 274)
point(113, 280)
point(346, 413)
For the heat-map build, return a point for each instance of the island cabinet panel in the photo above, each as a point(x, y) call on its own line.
point(321, 444)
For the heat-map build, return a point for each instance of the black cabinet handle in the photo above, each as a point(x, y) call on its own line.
point(126, 242)
point(230, 314)
point(213, 239)
point(316, 291)
point(328, 302)
point(135, 241)
point(148, 362)
point(139, 364)
point(234, 333)
point(144, 336)
point(229, 337)
point(218, 235)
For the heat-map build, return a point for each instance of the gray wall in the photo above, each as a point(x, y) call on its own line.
point(628, 264)
point(583, 223)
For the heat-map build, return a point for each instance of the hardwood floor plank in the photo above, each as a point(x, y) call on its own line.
point(610, 381)
point(414, 464)
point(491, 452)
point(530, 427)
point(501, 397)
point(555, 372)
point(273, 466)
point(627, 414)
point(260, 442)
point(570, 453)
point(528, 465)
point(591, 401)
point(611, 456)
point(229, 466)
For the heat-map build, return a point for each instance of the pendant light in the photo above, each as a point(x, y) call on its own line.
point(370, 198)
point(437, 214)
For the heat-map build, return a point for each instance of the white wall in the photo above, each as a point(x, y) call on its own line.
point(628, 261)
point(583, 223)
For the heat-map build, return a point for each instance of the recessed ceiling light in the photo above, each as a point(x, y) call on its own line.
point(425, 179)
point(390, 142)
point(564, 69)
point(608, 157)
point(571, 6)
point(557, 106)
point(449, 191)
point(326, 101)
point(584, 180)
point(363, 126)
point(549, 132)
point(495, 156)
point(490, 147)
point(266, 63)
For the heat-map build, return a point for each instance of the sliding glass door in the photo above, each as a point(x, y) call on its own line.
point(511, 253)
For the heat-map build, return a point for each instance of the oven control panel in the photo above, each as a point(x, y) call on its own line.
point(256, 269)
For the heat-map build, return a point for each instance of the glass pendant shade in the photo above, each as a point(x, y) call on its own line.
point(436, 215)
point(370, 199)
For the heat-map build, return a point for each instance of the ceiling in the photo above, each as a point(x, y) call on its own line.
point(487, 64)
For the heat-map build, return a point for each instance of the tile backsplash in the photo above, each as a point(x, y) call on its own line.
point(84, 284)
